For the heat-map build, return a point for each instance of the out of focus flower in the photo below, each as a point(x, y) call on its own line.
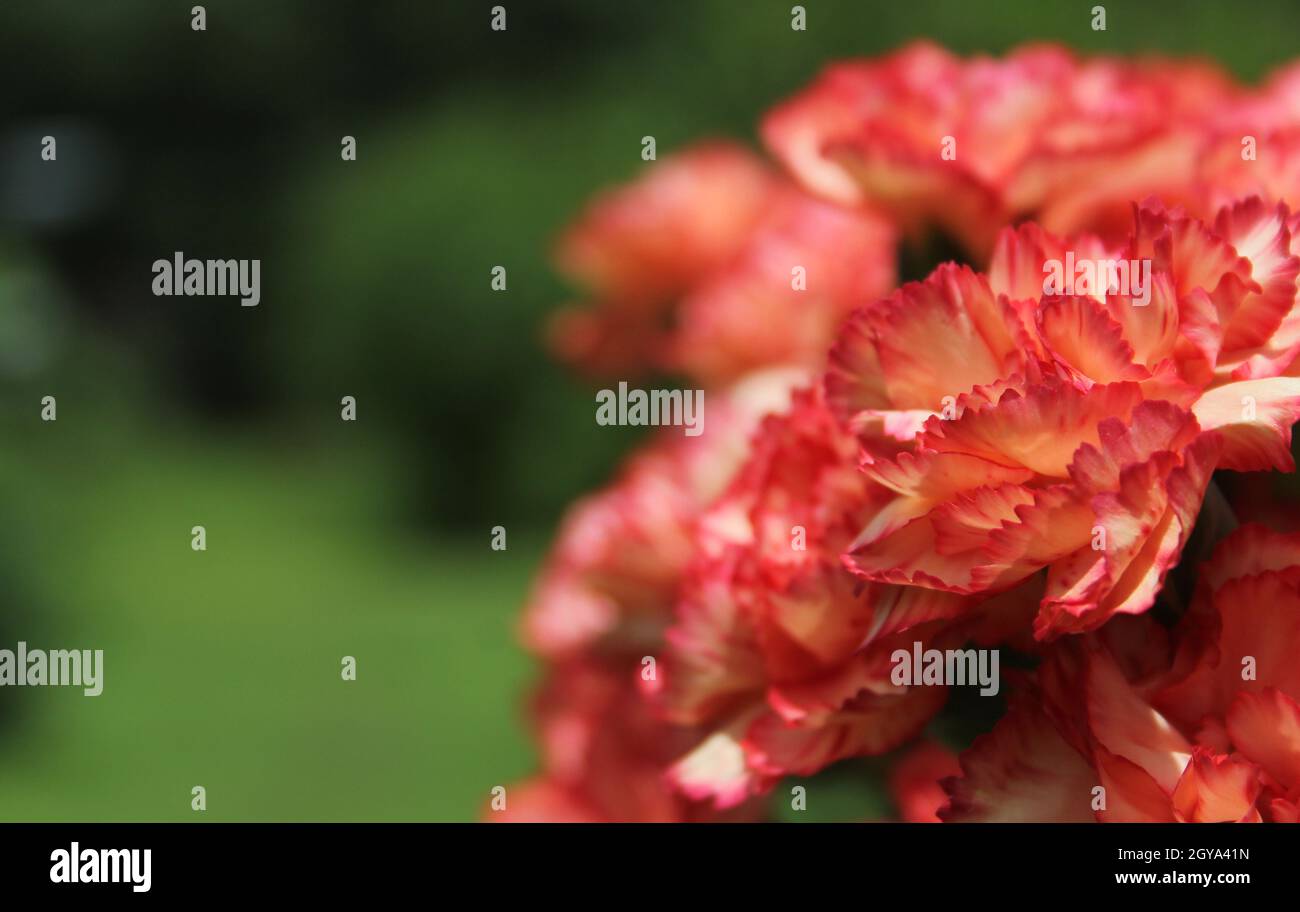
point(612, 576)
point(600, 609)
point(1255, 150)
point(916, 782)
point(603, 752)
point(972, 145)
point(711, 265)
point(1126, 728)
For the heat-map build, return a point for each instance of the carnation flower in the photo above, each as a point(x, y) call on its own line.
point(711, 265)
point(1073, 432)
point(611, 577)
point(603, 752)
point(600, 608)
point(1255, 149)
point(973, 145)
point(776, 646)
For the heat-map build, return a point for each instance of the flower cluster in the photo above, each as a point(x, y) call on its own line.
point(970, 146)
point(1017, 455)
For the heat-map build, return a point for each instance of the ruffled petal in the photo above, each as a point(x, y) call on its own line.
point(1021, 772)
point(1259, 233)
point(871, 725)
point(1244, 660)
point(1084, 338)
point(1254, 418)
point(1132, 794)
point(942, 337)
point(1039, 430)
point(1127, 726)
point(1217, 789)
point(1265, 727)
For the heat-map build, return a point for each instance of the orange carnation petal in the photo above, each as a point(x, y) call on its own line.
point(1254, 418)
point(942, 337)
point(1132, 795)
point(1083, 337)
point(1265, 727)
point(1217, 789)
point(1039, 430)
point(1260, 235)
point(1127, 726)
point(1022, 771)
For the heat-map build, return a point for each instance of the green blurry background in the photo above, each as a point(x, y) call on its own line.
point(327, 539)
